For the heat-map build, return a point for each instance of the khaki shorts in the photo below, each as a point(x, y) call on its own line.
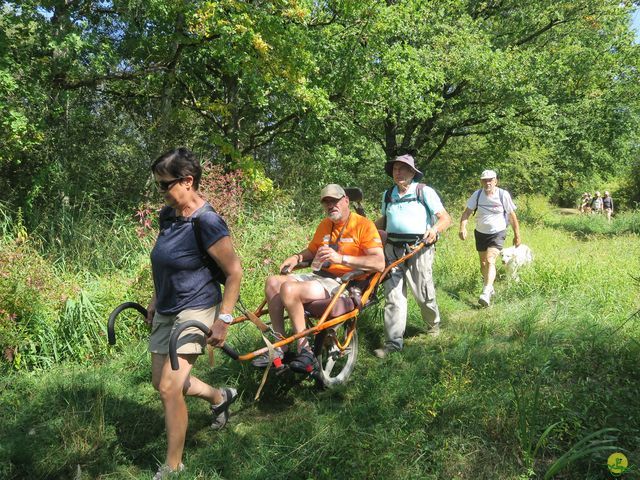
point(330, 285)
point(191, 341)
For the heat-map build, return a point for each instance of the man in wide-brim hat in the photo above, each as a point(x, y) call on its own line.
point(411, 211)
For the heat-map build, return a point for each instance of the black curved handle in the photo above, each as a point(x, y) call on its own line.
point(352, 274)
point(297, 266)
point(228, 349)
point(111, 326)
point(173, 342)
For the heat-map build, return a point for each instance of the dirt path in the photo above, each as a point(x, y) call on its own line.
point(568, 211)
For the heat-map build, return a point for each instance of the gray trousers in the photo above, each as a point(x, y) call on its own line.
point(417, 272)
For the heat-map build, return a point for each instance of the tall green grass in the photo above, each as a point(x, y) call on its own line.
point(541, 384)
point(586, 225)
point(60, 282)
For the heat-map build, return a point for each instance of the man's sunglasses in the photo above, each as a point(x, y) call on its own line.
point(165, 185)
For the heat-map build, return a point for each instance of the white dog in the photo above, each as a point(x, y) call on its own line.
point(515, 257)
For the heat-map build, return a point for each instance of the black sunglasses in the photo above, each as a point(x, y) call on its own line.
point(165, 185)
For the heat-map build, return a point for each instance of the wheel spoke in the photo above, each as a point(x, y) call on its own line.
point(328, 368)
point(336, 366)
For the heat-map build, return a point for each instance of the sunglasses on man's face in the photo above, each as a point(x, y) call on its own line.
point(165, 185)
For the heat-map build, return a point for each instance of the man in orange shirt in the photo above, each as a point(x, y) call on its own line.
point(344, 241)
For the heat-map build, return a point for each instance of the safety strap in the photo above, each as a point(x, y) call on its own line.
point(253, 318)
point(264, 328)
point(337, 242)
point(272, 355)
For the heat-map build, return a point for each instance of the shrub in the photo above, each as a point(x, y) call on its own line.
point(533, 209)
point(31, 294)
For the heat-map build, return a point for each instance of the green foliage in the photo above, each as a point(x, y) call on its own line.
point(299, 94)
point(533, 209)
point(307, 91)
point(533, 386)
point(594, 224)
point(588, 446)
point(58, 284)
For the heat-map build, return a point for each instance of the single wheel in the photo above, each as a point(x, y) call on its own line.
point(334, 366)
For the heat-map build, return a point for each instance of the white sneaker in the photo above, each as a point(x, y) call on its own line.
point(166, 472)
point(485, 299)
point(384, 351)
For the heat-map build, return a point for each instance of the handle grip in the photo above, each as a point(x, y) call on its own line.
point(228, 349)
point(173, 342)
point(111, 325)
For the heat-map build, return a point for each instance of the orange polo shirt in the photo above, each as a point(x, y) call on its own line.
point(359, 235)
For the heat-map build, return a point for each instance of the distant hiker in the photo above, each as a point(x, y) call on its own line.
point(496, 211)
point(410, 211)
point(185, 288)
point(596, 203)
point(344, 241)
point(607, 204)
point(585, 203)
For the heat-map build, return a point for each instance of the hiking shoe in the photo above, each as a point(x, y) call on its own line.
point(220, 412)
point(485, 299)
point(165, 471)
point(304, 362)
point(434, 331)
point(384, 351)
point(262, 360)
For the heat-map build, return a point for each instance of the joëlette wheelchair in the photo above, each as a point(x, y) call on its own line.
point(331, 323)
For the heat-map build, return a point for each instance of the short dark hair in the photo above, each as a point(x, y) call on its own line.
point(178, 163)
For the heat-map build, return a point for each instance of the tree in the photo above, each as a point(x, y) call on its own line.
point(420, 77)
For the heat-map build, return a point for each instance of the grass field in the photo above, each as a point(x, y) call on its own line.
point(503, 393)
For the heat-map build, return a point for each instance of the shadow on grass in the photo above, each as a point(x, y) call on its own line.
point(81, 424)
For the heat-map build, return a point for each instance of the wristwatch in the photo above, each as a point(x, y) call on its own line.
point(226, 318)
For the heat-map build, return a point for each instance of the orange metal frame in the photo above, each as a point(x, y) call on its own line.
point(323, 323)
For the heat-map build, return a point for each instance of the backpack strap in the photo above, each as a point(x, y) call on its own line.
point(216, 272)
point(478, 192)
point(422, 198)
point(168, 216)
point(387, 199)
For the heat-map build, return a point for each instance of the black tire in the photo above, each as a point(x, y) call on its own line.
point(334, 367)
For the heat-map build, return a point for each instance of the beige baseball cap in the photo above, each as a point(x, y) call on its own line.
point(333, 190)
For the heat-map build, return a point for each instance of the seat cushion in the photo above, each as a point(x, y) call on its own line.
point(383, 236)
point(317, 307)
